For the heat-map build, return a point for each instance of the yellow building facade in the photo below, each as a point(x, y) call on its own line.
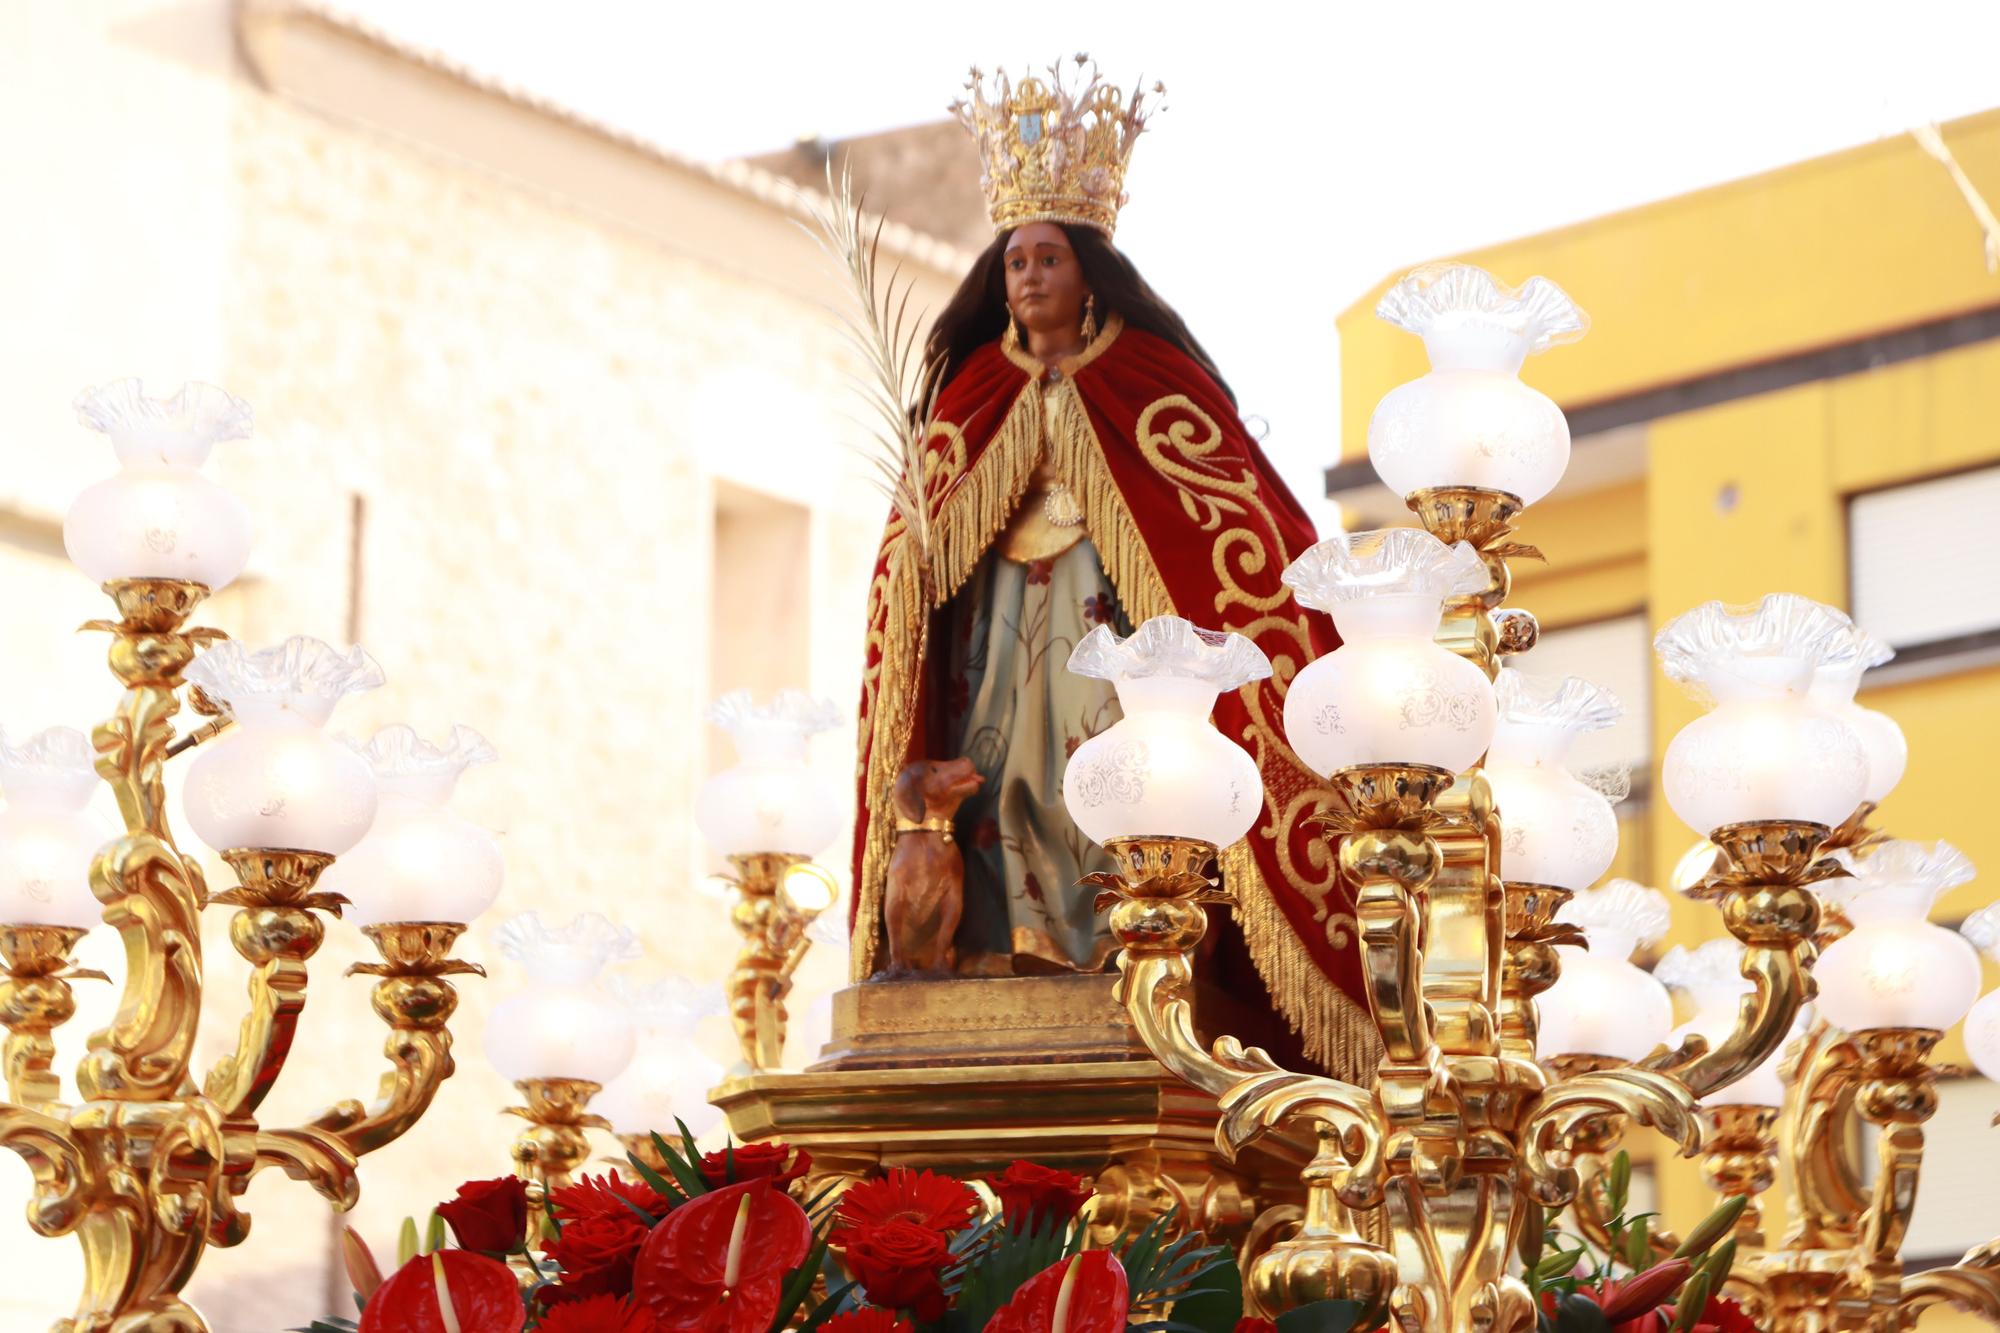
point(1792, 382)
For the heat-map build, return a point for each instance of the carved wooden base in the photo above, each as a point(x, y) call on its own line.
point(965, 1076)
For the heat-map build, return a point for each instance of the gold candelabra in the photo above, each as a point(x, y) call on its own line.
point(146, 1170)
point(1422, 1179)
point(773, 924)
point(556, 1142)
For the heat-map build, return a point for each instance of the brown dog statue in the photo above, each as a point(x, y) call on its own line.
point(925, 895)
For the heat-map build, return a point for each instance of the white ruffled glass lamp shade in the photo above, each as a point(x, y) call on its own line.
point(1896, 969)
point(770, 801)
point(1833, 689)
point(48, 836)
point(1765, 751)
point(1390, 694)
point(1555, 828)
point(1712, 976)
point(276, 780)
point(1470, 421)
point(669, 1077)
point(420, 861)
point(1982, 1024)
point(160, 516)
point(1163, 770)
point(564, 1024)
point(1601, 1004)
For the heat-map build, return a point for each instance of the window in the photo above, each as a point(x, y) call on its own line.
point(1922, 563)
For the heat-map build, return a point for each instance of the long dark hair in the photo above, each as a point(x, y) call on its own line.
point(977, 311)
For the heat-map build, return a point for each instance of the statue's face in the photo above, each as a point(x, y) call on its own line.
point(1045, 286)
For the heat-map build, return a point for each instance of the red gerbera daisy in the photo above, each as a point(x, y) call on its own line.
point(599, 1314)
point(920, 1197)
point(591, 1196)
point(868, 1319)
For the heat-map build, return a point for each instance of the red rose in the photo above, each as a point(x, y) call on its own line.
point(484, 1296)
point(897, 1265)
point(718, 1263)
point(1038, 1197)
point(598, 1314)
point(867, 1319)
point(596, 1253)
point(1098, 1299)
point(489, 1215)
point(754, 1161)
point(922, 1197)
point(590, 1196)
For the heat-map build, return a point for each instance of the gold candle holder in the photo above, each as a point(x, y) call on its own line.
point(35, 1000)
point(774, 943)
point(146, 1172)
point(556, 1142)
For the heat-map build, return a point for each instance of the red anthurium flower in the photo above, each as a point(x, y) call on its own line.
point(589, 1196)
point(718, 1263)
point(599, 1314)
point(900, 1266)
point(489, 1215)
point(868, 1319)
point(1086, 1294)
point(920, 1197)
point(1034, 1197)
point(484, 1296)
point(1252, 1324)
point(754, 1161)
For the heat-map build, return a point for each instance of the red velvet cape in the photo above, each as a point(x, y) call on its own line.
point(1188, 519)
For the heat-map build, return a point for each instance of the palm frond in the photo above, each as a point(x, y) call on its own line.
point(899, 387)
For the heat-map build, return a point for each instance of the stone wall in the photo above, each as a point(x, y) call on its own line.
point(491, 432)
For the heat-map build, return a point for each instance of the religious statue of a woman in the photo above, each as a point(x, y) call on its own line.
point(1085, 465)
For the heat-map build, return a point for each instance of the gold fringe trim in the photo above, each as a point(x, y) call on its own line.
point(1337, 1033)
point(976, 507)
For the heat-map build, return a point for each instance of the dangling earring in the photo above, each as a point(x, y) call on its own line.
point(1014, 329)
point(1090, 318)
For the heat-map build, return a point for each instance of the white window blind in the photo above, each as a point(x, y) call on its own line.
point(1617, 654)
point(1923, 559)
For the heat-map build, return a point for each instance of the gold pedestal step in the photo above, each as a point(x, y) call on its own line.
point(965, 1076)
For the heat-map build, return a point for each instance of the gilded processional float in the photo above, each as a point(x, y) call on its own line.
point(1238, 872)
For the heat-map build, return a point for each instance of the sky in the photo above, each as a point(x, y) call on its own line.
point(1308, 150)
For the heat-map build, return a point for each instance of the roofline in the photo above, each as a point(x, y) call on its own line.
point(755, 183)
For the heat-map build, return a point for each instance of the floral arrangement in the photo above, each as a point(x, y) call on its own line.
point(1622, 1288)
point(719, 1243)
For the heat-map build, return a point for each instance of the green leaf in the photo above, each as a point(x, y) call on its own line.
point(1557, 1265)
point(995, 1270)
point(1160, 1272)
point(689, 1176)
point(1320, 1317)
point(1618, 1184)
point(1638, 1247)
point(656, 1182)
point(329, 1325)
point(687, 1142)
point(434, 1234)
point(406, 1242)
point(798, 1285)
point(1216, 1305)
